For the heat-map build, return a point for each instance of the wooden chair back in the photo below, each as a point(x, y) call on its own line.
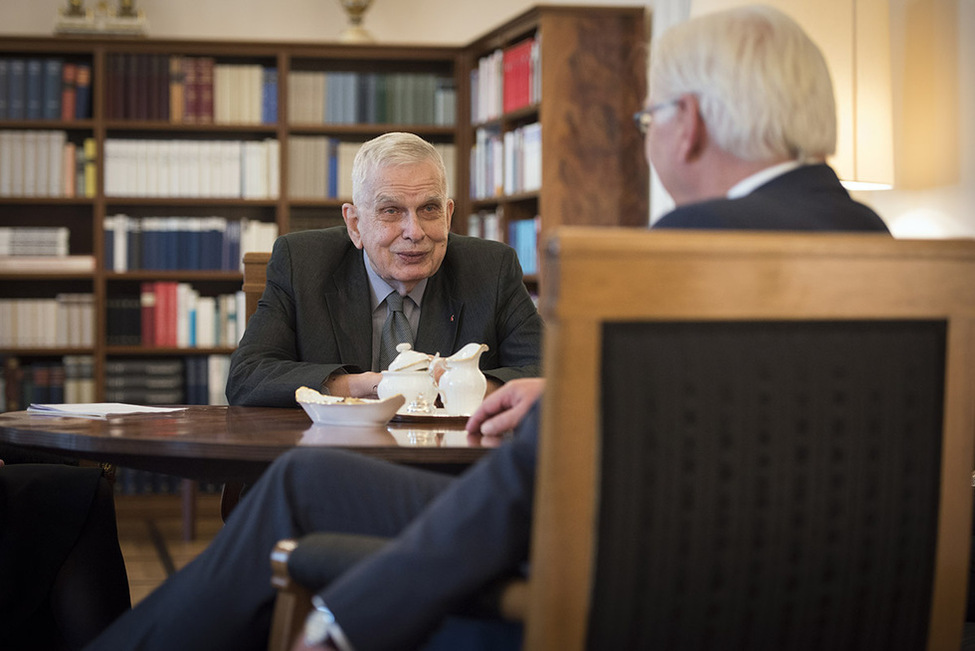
point(255, 277)
point(754, 440)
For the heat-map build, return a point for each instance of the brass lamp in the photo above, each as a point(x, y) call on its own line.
point(355, 32)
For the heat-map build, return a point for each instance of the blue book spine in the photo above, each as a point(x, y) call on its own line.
point(109, 233)
point(17, 90)
point(183, 250)
point(4, 86)
point(194, 253)
point(172, 242)
point(82, 102)
point(35, 89)
point(212, 249)
point(269, 96)
point(234, 229)
point(333, 168)
point(51, 98)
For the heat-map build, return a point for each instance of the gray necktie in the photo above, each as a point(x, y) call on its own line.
point(396, 330)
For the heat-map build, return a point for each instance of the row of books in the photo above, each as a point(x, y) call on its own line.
point(168, 314)
point(65, 321)
point(68, 380)
point(189, 90)
point(34, 240)
point(485, 224)
point(44, 88)
point(506, 80)
point(197, 380)
point(192, 168)
point(341, 97)
point(523, 238)
point(41, 163)
point(321, 168)
point(522, 235)
point(183, 243)
point(508, 163)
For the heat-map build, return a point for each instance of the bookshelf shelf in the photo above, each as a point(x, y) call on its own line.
point(54, 274)
point(127, 126)
point(42, 201)
point(491, 202)
point(188, 201)
point(185, 275)
point(371, 130)
point(46, 352)
point(70, 125)
point(592, 73)
point(163, 351)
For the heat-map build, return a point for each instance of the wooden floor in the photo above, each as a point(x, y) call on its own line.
point(150, 529)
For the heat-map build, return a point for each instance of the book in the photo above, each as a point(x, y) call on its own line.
point(68, 176)
point(34, 96)
point(4, 86)
point(51, 89)
point(516, 86)
point(269, 95)
point(69, 91)
point(191, 90)
point(176, 87)
point(90, 170)
point(204, 83)
point(17, 89)
point(101, 410)
point(82, 103)
point(147, 302)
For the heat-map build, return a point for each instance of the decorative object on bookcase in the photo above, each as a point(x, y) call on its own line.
point(355, 32)
point(75, 18)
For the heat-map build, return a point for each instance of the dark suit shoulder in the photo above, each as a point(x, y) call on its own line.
point(809, 198)
point(466, 245)
point(336, 237)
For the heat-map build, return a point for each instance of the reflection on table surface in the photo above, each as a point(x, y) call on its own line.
point(210, 439)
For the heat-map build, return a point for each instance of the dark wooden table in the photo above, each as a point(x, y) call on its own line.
point(226, 444)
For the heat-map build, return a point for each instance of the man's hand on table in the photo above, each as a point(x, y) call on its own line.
point(354, 385)
point(504, 408)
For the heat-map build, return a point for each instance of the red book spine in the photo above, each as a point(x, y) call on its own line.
point(204, 78)
point(68, 91)
point(508, 84)
point(164, 312)
point(172, 316)
point(191, 89)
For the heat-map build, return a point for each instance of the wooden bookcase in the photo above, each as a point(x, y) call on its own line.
point(592, 71)
point(593, 79)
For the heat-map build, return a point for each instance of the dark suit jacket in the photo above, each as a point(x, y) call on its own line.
point(809, 198)
point(315, 317)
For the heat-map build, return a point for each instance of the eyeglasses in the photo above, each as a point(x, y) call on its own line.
point(643, 119)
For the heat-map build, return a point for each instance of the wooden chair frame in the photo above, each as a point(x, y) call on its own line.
point(599, 275)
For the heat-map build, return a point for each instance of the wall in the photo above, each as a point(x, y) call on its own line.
point(450, 22)
point(932, 56)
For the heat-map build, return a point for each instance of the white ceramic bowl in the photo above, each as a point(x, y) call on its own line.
point(331, 410)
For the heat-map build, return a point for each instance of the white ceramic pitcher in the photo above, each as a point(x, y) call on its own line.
point(462, 384)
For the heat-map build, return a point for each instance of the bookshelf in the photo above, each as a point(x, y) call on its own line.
point(587, 78)
point(256, 139)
